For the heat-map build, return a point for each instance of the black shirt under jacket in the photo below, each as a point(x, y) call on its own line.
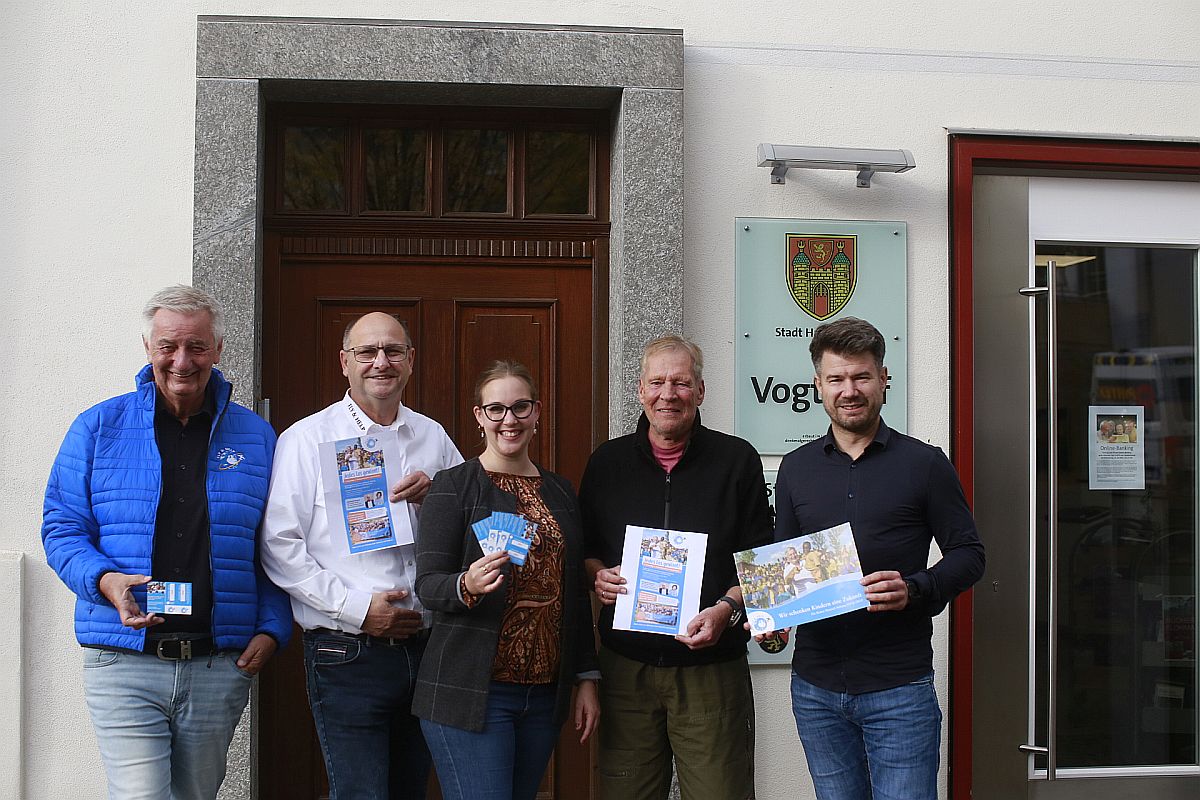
point(899, 495)
point(717, 488)
point(181, 529)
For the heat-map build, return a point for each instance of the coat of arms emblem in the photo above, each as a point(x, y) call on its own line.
point(821, 272)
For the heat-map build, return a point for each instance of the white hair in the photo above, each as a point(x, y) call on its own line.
point(183, 300)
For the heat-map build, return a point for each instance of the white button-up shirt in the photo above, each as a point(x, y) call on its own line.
point(329, 586)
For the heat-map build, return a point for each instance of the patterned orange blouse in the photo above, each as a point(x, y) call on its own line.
point(527, 651)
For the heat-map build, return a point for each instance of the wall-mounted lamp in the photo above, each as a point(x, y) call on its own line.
point(781, 157)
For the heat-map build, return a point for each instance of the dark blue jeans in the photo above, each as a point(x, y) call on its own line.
point(504, 761)
point(361, 691)
point(872, 746)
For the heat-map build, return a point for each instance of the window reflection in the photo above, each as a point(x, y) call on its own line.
point(314, 160)
point(395, 161)
point(557, 172)
point(476, 168)
point(414, 162)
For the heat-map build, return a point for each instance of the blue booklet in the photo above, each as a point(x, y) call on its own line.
point(811, 577)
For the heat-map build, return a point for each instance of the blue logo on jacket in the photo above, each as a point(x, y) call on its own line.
point(228, 458)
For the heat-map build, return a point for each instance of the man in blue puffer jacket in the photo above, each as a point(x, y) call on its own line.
point(151, 517)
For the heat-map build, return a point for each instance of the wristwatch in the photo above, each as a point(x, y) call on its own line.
point(738, 609)
point(914, 591)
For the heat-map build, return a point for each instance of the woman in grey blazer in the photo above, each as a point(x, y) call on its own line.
point(508, 642)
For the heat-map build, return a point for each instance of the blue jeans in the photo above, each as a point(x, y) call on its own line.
point(163, 726)
point(360, 691)
point(872, 746)
point(504, 761)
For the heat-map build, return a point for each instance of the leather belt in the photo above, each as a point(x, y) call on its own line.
point(181, 649)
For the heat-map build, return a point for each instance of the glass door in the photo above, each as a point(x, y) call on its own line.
point(1115, 675)
point(1107, 528)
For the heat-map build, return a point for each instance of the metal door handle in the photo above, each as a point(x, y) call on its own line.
point(1050, 750)
point(1052, 527)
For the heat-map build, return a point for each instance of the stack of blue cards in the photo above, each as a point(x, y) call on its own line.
point(502, 531)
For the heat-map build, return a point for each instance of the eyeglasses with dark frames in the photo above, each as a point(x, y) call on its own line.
point(395, 353)
point(520, 410)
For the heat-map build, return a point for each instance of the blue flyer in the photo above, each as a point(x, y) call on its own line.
point(355, 477)
point(168, 597)
point(504, 531)
point(801, 580)
point(663, 570)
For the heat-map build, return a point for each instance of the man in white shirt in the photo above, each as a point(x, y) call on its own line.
point(364, 631)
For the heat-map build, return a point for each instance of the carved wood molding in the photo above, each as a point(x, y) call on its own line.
point(429, 247)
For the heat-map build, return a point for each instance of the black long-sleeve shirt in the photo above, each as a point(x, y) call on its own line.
point(898, 496)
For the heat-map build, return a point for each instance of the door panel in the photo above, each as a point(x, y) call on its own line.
point(1002, 469)
point(462, 313)
point(520, 331)
point(1085, 666)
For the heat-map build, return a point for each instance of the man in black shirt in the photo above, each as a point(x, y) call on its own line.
point(862, 683)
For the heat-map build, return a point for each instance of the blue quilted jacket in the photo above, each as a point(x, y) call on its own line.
point(102, 500)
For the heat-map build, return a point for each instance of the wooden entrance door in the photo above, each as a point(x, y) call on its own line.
point(462, 313)
point(485, 232)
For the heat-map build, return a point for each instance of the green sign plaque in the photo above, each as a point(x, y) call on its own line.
point(790, 276)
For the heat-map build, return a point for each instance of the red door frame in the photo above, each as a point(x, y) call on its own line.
point(968, 153)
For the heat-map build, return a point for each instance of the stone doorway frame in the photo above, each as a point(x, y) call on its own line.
point(244, 62)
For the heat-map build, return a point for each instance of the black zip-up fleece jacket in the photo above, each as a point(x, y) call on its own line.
point(717, 488)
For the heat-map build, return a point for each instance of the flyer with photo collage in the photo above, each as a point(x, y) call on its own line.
point(664, 571)
point(355, 477)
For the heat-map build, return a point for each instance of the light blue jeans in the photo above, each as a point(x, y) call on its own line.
point(163, 726)
point(872, 746)
point(506, 760)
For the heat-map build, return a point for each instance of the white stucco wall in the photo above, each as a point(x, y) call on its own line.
point(96, 144)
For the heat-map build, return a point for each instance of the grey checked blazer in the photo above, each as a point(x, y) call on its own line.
point(456, 670)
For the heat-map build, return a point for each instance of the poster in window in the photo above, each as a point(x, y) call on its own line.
point(1116, 447)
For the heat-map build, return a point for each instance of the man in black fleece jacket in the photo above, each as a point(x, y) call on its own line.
point(686, 697)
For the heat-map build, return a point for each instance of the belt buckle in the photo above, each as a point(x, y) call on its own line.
point(185, 650)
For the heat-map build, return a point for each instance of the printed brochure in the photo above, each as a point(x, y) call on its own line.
point(801, 580)
point(663, 570)
point(356, 474)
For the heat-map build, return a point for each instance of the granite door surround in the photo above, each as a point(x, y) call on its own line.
point(243, 62)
